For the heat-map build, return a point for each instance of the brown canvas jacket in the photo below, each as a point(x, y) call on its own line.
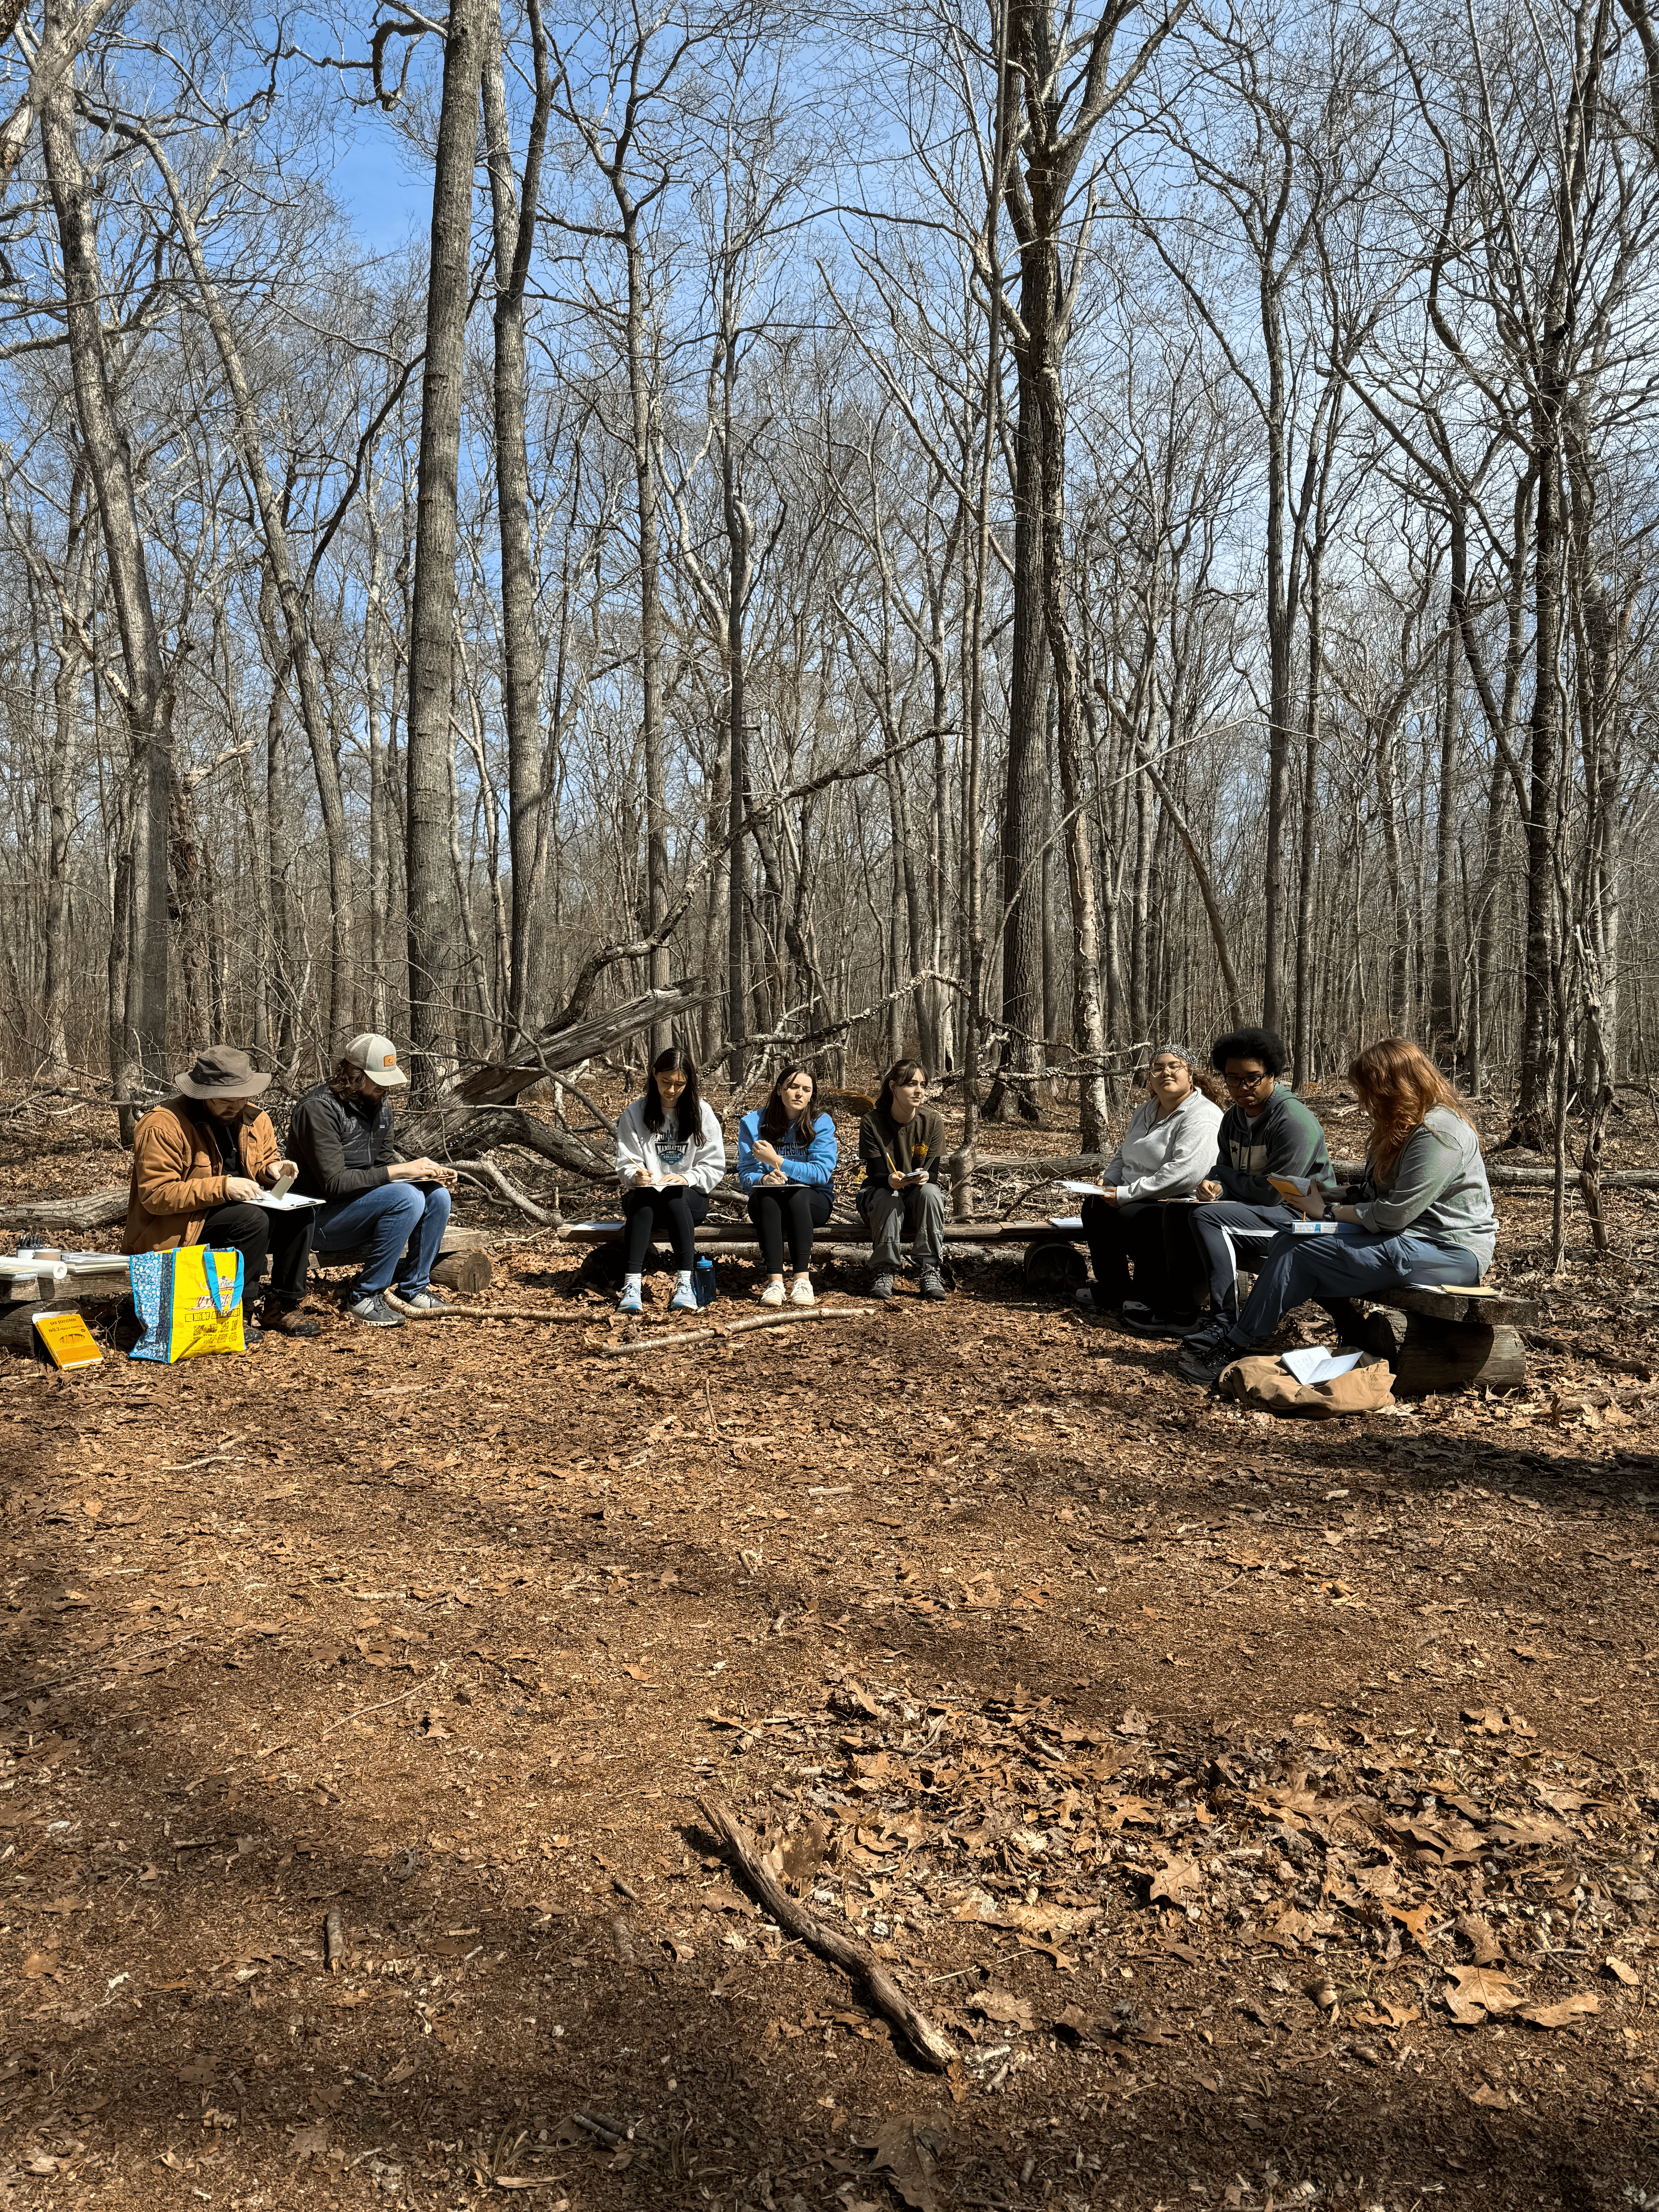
point(177, 1179)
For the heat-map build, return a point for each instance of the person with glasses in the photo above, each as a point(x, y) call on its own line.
point(1267, 1131)
point(1422, 1212)
point(1167, 1148)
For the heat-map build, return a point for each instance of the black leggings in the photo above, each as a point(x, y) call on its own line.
point(1137, 1232)
point(672, 1213)
point(793, 1210)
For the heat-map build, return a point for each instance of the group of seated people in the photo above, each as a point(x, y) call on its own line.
point(670, 1155)
point(1194, 1196)
point(206, 1162)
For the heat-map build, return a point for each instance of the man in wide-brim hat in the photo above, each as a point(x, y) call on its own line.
point(200, 1161)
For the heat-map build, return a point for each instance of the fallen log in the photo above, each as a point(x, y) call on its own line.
point(96, 1209)
point(501, 1082)
point(933, 2047)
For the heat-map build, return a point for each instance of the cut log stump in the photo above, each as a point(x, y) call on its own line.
point(468, 1273)
point(1430, 1357)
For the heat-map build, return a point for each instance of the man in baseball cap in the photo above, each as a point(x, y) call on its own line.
point(377, 1056)
point(396, 1211)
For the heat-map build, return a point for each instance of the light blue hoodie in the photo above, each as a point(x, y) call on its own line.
point(813, 1164)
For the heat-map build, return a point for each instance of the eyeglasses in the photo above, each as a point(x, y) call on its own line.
point(1247, 1082)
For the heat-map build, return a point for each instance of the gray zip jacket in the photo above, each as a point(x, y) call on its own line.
point(1439, 1189)
point(1167, 1158)
point(701, 1159)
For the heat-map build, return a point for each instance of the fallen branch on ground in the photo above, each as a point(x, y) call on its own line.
point(935, 2048)
point(487, 1173)
point(685, 1336)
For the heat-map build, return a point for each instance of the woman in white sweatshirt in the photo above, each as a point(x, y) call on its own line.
point(1168, 1149)
point(670, 1155)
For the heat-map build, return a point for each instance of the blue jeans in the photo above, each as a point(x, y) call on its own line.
point(1352, 1264)
point(388, 1219)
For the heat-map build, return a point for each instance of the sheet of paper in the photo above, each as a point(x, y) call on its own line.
point(571, 1225)
point(1314, 1228)
point(1081, 1190)
point(1066, 1221)
point(1458, 1290)
point(292, 1204)
point(1316, 1364)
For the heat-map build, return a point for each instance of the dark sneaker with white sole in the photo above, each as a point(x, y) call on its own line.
point(373, 1312)
point(1207, 1361)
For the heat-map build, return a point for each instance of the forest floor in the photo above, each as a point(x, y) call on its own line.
point(1266, 1811)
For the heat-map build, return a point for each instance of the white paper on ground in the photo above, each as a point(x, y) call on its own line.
point(1316, 1364)
point(1066, 1221)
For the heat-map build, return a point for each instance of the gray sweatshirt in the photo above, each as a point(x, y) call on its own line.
point(1439, 1189)
point(701, 1159)
point(1167, 1158)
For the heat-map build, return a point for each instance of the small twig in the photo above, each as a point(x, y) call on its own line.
point(333, 1940)
point(935, 2048)
point(681, 1338)
point(270, 1749)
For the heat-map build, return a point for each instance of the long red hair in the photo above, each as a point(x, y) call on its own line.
point(1397, 1084)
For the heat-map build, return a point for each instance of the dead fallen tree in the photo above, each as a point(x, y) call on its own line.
point(481, 1112)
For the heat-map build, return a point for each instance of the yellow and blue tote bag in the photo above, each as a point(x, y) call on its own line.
point(189, 1301)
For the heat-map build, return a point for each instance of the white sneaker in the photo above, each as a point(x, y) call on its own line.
point(801, 1292)
point(772, 1294)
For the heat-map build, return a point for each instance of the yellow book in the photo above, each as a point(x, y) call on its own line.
point(67, 1340)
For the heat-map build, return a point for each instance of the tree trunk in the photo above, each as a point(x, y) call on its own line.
point(295, 619)
point(514, 230)
point(430, 745)
point(109, 462)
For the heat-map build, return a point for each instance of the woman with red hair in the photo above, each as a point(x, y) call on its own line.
point(1422, 1212)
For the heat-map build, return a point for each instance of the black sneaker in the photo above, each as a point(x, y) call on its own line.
point(1208, 1361)
point(882, 1288)
point(932, 1284)
point(373, 1312)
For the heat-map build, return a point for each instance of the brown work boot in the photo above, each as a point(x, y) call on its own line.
point(278, 1320)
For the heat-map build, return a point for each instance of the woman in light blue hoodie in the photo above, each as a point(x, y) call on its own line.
point(787, 1158)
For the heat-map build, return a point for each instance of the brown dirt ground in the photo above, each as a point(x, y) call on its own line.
point(1195, 1771)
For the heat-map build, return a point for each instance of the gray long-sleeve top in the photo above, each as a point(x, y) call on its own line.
point(1167, 1157)
point(1439, 1189)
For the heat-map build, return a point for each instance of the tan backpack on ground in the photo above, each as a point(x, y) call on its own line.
point(1269, 1385)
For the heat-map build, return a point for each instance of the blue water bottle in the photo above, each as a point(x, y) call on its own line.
point(705, 1286)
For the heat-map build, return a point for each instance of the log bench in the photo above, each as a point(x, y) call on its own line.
point(849, 1238)
point(463, 1265)
point(1436, 1341)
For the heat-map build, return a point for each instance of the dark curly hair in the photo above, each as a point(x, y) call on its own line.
point(1265, 1045)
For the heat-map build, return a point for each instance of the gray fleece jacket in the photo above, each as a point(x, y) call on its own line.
point(1439, 1189)
point(1167, 1158)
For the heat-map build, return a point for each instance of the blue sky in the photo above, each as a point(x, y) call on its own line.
point(375, 182)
